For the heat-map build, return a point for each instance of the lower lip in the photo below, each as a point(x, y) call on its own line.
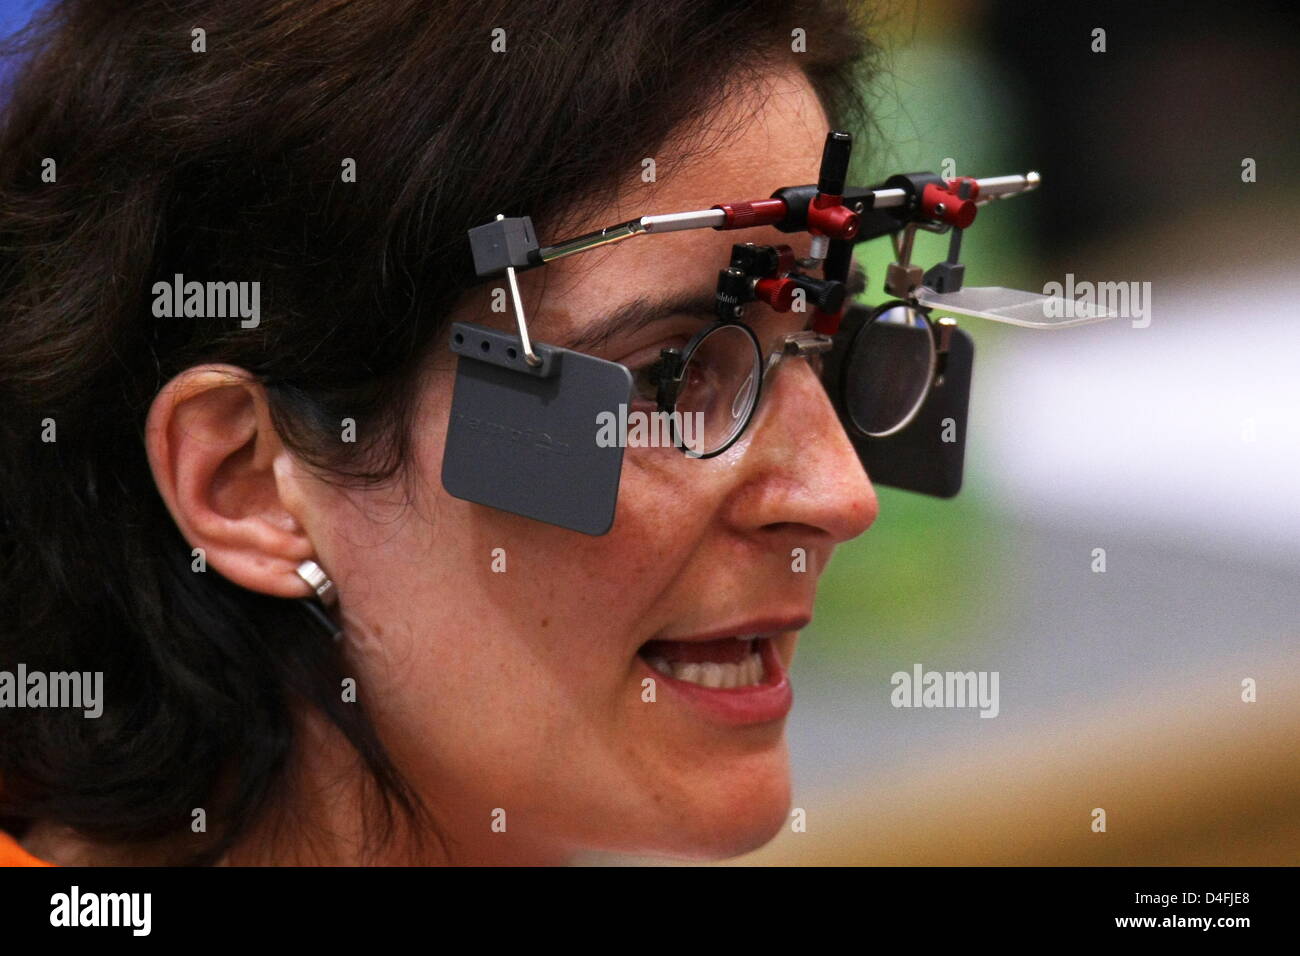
point(737, 706)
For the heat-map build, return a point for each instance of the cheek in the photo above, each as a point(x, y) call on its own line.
point(481, 638)
point(455, 611)
point(591, 597)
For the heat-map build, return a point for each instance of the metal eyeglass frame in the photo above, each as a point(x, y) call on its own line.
point(670, 371)
point(934, 335)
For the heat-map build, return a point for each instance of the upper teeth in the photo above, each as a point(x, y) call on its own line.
point(713, 674)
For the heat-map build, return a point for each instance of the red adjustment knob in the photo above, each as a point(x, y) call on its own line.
point(954, 186)
point(827, 323)
point(759, 212)
point(828, 216)
point(938, 203)
point(778, 293)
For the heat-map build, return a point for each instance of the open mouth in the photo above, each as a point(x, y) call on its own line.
point(728, 663)
point(735, 680)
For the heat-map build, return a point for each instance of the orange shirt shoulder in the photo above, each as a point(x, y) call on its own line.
point(12, 854)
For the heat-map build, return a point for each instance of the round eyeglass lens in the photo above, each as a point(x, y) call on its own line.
point(719, 387)
point(890, 366)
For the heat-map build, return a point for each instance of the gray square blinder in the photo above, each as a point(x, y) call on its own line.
point(523, 439)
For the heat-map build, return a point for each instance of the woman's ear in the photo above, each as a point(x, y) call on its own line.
point(224, 475)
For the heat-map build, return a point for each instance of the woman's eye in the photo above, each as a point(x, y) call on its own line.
point(646, 357)
point(644, 386)
point(644, 364)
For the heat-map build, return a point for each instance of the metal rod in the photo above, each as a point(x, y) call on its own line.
point(591, 240)
point(994, 187)
point(668, 222)
point(1002, 187)
point(530, 356)
point(678, 221)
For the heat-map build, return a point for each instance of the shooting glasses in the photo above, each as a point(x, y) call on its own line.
point(539, 431)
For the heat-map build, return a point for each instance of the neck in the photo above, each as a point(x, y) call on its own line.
point(329, 815)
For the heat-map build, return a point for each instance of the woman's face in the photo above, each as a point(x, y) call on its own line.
point(515, 679)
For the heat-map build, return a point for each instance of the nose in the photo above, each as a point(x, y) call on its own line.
point(797, 469)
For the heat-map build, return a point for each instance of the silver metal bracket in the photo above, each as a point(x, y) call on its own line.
point(530, 356)
point(902, 278)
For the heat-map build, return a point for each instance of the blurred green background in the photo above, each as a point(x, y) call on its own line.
point(932, 105)
point(1174, 447)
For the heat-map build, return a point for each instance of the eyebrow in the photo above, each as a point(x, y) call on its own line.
point(642, 311)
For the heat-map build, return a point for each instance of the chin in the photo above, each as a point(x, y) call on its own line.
point(734, 813)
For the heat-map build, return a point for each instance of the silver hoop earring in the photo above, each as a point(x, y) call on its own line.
point(318, 581)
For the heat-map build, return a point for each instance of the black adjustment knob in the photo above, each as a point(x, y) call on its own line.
point(825, 294)
point(734, 290)
point(835, 163)
point(754, 260)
